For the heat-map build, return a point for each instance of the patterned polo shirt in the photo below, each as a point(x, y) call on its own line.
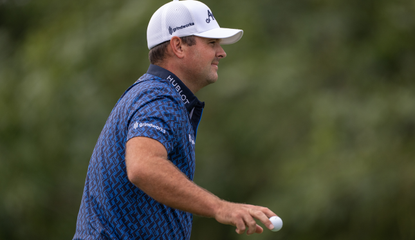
point(158, 106)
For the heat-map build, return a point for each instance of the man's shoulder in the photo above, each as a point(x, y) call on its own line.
point(152, 81)
point(151, 89)
point(150, 86)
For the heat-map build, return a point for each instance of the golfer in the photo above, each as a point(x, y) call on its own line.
point(139, 183)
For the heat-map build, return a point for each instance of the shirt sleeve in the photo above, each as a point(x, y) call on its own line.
point(156, 119)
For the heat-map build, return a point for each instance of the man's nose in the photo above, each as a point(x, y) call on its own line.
point(221, 53)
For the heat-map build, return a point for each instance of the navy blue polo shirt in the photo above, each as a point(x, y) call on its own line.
point(158, 106)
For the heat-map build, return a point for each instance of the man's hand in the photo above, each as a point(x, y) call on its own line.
point(243, 216)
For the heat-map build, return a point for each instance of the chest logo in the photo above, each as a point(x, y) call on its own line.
point(191, 140)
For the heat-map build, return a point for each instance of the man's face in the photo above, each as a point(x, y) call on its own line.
point(203, 59)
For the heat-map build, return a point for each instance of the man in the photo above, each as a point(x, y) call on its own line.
point(139, 181)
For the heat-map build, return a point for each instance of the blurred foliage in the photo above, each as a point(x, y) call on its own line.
point(313, 114)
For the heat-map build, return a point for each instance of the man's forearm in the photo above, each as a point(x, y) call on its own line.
point(164, 182)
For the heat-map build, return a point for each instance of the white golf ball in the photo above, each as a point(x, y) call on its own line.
point(277, 222)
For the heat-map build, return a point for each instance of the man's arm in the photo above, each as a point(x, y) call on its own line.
point(149, 169)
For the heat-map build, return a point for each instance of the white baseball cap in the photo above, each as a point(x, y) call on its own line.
point(187, 18)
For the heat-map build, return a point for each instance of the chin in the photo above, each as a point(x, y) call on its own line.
point(212, 80)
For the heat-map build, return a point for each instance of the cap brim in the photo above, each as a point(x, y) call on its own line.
point(227, 35)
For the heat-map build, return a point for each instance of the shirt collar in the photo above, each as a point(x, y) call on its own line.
point(188, 98)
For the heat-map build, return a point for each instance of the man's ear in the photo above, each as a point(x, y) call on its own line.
point(176, 45)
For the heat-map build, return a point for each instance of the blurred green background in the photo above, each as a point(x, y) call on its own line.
point(313, 115)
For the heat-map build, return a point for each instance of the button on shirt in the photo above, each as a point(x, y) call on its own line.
point(158, 106)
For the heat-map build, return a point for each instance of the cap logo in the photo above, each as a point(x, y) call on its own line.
point(210, 15)
point(173, 30)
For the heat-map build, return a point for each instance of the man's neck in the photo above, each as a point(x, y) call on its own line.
point(179, 73)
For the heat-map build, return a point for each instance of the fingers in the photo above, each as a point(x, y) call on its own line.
point(240, 226)
point(258, 229)
point(263, 214)
point(255, 212)
point(244, 221)
point(244, 216)
point(250, 223)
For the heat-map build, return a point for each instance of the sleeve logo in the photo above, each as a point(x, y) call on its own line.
point(136, 125)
